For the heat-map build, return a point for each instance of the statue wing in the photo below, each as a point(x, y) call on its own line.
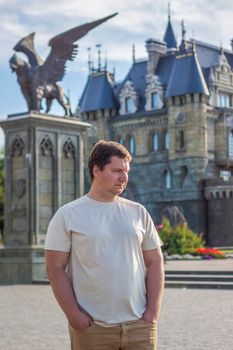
point(26, 45)
point(63, 49)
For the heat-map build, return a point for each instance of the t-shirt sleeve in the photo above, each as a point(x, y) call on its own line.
point(58, 237)
point(151, 238)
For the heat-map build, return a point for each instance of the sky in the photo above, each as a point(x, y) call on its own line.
point(137, 20)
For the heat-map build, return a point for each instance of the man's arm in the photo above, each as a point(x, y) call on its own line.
point(154, 284)
point(56, 263)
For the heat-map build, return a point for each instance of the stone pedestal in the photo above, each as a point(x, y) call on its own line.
point(43, 171)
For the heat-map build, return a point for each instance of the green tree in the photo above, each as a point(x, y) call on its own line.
point(179, 239)
point(1, 194)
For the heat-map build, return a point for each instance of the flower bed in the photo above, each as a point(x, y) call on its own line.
point(210, 253)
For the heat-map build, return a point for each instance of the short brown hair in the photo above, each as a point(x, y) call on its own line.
point(103, 151)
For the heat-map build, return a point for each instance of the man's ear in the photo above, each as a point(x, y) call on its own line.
point(96, 171)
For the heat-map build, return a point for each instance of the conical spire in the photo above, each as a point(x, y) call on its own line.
point(169, 36)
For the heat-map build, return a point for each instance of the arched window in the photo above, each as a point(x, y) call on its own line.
point(168, 179)
point(166, 140)
point(230, 144)
point(132, 145)
point(155, 142)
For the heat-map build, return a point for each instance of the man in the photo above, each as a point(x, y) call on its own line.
point(112, 290)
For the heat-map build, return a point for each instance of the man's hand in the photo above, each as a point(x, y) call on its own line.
point(154, 284)
point(149, 316)
point(80, 321)
point(56, 263)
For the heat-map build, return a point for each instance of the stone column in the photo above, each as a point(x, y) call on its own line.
point(43, 170)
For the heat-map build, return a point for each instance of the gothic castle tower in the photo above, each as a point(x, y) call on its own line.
point(174, 112)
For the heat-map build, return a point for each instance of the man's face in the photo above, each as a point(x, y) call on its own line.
point(113, 178)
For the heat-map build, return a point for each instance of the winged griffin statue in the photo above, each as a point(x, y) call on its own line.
point(37, 78)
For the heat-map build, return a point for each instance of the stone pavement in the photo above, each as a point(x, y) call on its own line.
point(191, 319)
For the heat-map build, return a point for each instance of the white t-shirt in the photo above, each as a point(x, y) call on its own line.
point(106, 266)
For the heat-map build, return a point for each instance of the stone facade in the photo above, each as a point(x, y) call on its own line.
point(179, 142)
point(43, 171)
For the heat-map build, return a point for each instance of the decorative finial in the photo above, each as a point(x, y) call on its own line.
point(169, 10)
point(92, 68)
point(183, 30)
point(221, 48)
point(89, 59)
point(99, 56)
point(193, 34)
point(232, 44)
point(133, 53)
point(106, 61)
point(193, 46)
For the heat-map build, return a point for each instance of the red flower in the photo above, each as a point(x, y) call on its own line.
point(212, 252)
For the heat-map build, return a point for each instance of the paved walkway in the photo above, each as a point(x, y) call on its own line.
point(190, 319)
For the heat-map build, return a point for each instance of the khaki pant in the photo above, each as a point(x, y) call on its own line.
point(139, 335)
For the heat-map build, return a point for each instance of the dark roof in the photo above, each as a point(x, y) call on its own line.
point(164, 68)
point(169, 36)
point(137, 75)
point(179, 74)
point(208, 55)
point(98, 94)
point(186, 77)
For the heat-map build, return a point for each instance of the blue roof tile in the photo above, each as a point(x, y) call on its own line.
point(164, 68)
point(208, 55)
point(186, 77)
point(98, 94)
point(169, 36)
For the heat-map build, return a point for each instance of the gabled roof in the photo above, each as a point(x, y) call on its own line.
point(186, 77)
point(137, 75)
point(98, 94)
point(169, 36)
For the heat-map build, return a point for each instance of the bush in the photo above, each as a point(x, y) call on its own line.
point(179, 239)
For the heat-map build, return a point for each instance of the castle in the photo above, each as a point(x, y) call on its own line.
point(174, 112)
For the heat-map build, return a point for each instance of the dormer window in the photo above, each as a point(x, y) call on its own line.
point(128, 99)
point(154, 100)
point(154, 94)
point(128, 104)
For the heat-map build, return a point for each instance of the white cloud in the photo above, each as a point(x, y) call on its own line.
point(138, 20)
